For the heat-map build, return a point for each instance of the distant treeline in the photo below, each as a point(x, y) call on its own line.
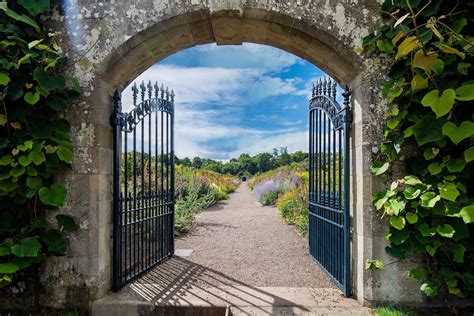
point(246, 164)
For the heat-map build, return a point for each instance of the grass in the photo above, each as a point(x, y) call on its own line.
point(392, 311)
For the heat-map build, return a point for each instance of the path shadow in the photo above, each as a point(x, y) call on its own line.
point(179, 282)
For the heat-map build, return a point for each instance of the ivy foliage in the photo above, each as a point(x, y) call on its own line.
point(431, 92)
point(34, 138)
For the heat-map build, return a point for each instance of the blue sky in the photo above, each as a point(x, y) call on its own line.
point(235, 99)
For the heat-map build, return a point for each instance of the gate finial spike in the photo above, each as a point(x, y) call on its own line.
point(320, 86)
point(167, 94)
point(142, 90)
point(324, 86)
point(172, 96)
point(150, 89)
point(162, 91)
point(313, 91)
point(135, 93)
point(157, 89)
point(334, 89)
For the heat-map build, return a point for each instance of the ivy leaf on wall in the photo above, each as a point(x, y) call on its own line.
point(465, 92)
point(458, 134)
point(407, 46)
point(35, 7)
point(441, 105)
point(28, 247)
point(53, 196)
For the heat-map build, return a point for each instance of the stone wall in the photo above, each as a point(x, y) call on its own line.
point(110, 42)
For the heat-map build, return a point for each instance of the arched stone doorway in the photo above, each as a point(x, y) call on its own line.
point(112, 42)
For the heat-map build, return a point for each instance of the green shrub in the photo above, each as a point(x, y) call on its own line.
point(293, 208)
point(269, 198)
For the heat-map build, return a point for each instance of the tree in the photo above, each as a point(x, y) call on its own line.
point(265, 162)
point(186, 162)
point(197, 162)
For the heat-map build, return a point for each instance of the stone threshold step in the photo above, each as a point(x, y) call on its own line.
point(151, 299)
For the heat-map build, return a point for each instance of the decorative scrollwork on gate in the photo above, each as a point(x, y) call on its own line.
point(159, 99)
point(324, 97)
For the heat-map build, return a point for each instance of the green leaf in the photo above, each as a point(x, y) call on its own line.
point(379, 167)
point(28, 247)
point(435, 168)
point(445, 230)
point(34, 182)
point(456, 165)
point(398, 237)
point(17, 171)
point(418, 273)
point(32, 98)
point(429, 288)
point(448, 191)
point(418, 82)
point(53, 196)
point(463, 68)
point(407, 46)
point(440, 105)
point(458, 25)
point(438, 67)
point(6, 160)
point(469, 154)
point(55, 242)
point(8, 268)
point(65, 154)
point(56, 103)
point(412, 218)
point(431, 250)
point(66, 222)
point(24, 161)
point(48, 82)
point(429, 199)
point(22, 18)
point(430, 153)
point(467, 214)
point(398, 222)
point(458, 253)
point(465, 92)
point(426, 231)
point(427, 130)
point(4, 79)
point(412, 180)
point(411, 193)
point(458, 134)
point(37, 157)
point(35, 7)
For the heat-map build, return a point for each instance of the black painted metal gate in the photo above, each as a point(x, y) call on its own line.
point(329, 220)
point(143, 187)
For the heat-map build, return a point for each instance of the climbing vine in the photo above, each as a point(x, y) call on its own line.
point(34, 138)
point(431, 95)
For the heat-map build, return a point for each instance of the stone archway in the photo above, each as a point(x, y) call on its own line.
point(112, 42)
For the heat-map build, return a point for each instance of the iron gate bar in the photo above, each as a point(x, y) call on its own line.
point(142, 215)
point(329, 158)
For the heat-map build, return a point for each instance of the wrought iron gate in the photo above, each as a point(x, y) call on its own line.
point(143, 188)
point(329, 128)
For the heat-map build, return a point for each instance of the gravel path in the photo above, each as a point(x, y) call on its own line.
point(249, 243)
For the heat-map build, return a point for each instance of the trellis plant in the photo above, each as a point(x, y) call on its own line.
point(34, 138)
point(431, 93)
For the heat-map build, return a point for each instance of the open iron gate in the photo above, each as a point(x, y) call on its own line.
point(143, 187)
point(329, 220)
